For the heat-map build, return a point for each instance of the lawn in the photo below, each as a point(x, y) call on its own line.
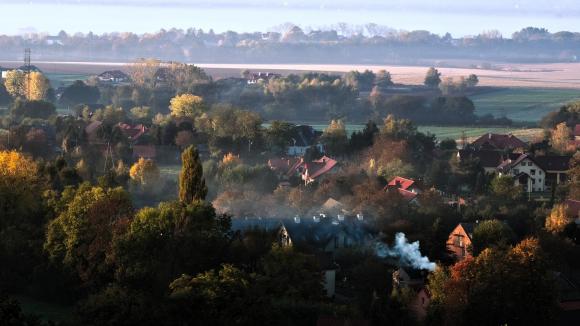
point(523, 104)
point(61, 79)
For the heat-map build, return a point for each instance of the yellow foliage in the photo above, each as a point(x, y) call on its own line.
point(33, 87)
point(145, 172)
point(561, 137)
point(558, 219)
point(186, 105)
point(230, 158)
point(16, 166)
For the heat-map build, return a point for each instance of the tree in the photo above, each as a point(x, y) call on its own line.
point(500, 286)
point(37, 86)
point(143, 72)
point(32, 109)
point(560, 138)
point(80, 93)
point(335, 138)
point(187, 105)
point(383, 79)
point(172, 239)
point(215, 297)
point(433, 78)
point(184, 139)
point(192, 185)
point(558, 219)
point(81, 236)
point(15, 83)
point(278, 135)
point(145, 173)
point(472, 81)
point(491, 233)
point(503, 189)
point(574, 176)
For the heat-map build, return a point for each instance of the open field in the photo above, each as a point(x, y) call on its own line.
point(445, 132)
point(65, 79)
point(529, 91)
point(523, 104)
point(547, 75)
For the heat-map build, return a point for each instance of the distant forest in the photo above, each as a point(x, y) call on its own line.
point(369, 44)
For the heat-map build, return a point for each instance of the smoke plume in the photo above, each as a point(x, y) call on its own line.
point(407, 253)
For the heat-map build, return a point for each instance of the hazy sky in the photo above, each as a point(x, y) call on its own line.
point(460, 17)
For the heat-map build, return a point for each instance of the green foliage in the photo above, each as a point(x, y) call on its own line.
point(81, 236)
point(334, 138)
point(32, 109)
point(164, 242)
point(503, 189)
point(191, 181)
point(80, 93)
point(432, 78)
point(491, 233)
point(286, 273)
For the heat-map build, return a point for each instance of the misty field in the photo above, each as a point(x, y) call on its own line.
point(523, 104)
point(454, 132)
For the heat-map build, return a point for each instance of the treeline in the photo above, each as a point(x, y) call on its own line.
point(355, 96)
point(371, 43)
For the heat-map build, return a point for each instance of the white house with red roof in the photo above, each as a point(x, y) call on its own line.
point(526, 171)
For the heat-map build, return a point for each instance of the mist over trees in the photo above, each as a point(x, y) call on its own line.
point(342, 43)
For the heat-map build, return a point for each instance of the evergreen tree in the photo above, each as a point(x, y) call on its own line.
point(191, 182)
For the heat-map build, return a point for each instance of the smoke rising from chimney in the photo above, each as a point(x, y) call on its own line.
point(407, 253)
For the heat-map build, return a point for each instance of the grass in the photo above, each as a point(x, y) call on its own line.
point(455, 132)
point(61, 79)
point(45, 310)
point(523, 104)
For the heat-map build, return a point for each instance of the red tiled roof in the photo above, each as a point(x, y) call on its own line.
point(403, 183)
point(407, 195)
point(323, 165)
point(282, 165)
point(500, 141)
point(132, 132)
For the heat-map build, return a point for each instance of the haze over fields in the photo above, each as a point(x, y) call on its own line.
point(457, 17)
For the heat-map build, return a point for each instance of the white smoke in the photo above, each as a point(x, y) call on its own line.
point(407, 253)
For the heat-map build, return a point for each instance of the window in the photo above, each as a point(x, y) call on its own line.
point(533, 172)
point(540, 172)
point(516, 171)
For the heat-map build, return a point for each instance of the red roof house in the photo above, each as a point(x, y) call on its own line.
point(498, 142)
point(403, 184)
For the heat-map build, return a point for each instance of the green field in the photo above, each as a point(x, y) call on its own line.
point(453, 132)
point(58, 80)
point(523, 104)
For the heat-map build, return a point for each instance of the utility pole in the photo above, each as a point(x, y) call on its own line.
point(27, 69)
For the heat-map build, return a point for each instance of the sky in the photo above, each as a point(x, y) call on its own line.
point(459, 17)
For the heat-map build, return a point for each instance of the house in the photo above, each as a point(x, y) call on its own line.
point(3, 72)
point(577, 132)
point(498, 142)
point(408, 185)
point(460, 240)
point(133, 133)
point(409, 196)
point(333, 207)
point(316, 169)
point(556, 168)
point(307, 171)
point(321, 235)
point(262, 77)
point(489, 160)
point(53, 40)
point(113, 77)
point(302, 138)
point(526, 172)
